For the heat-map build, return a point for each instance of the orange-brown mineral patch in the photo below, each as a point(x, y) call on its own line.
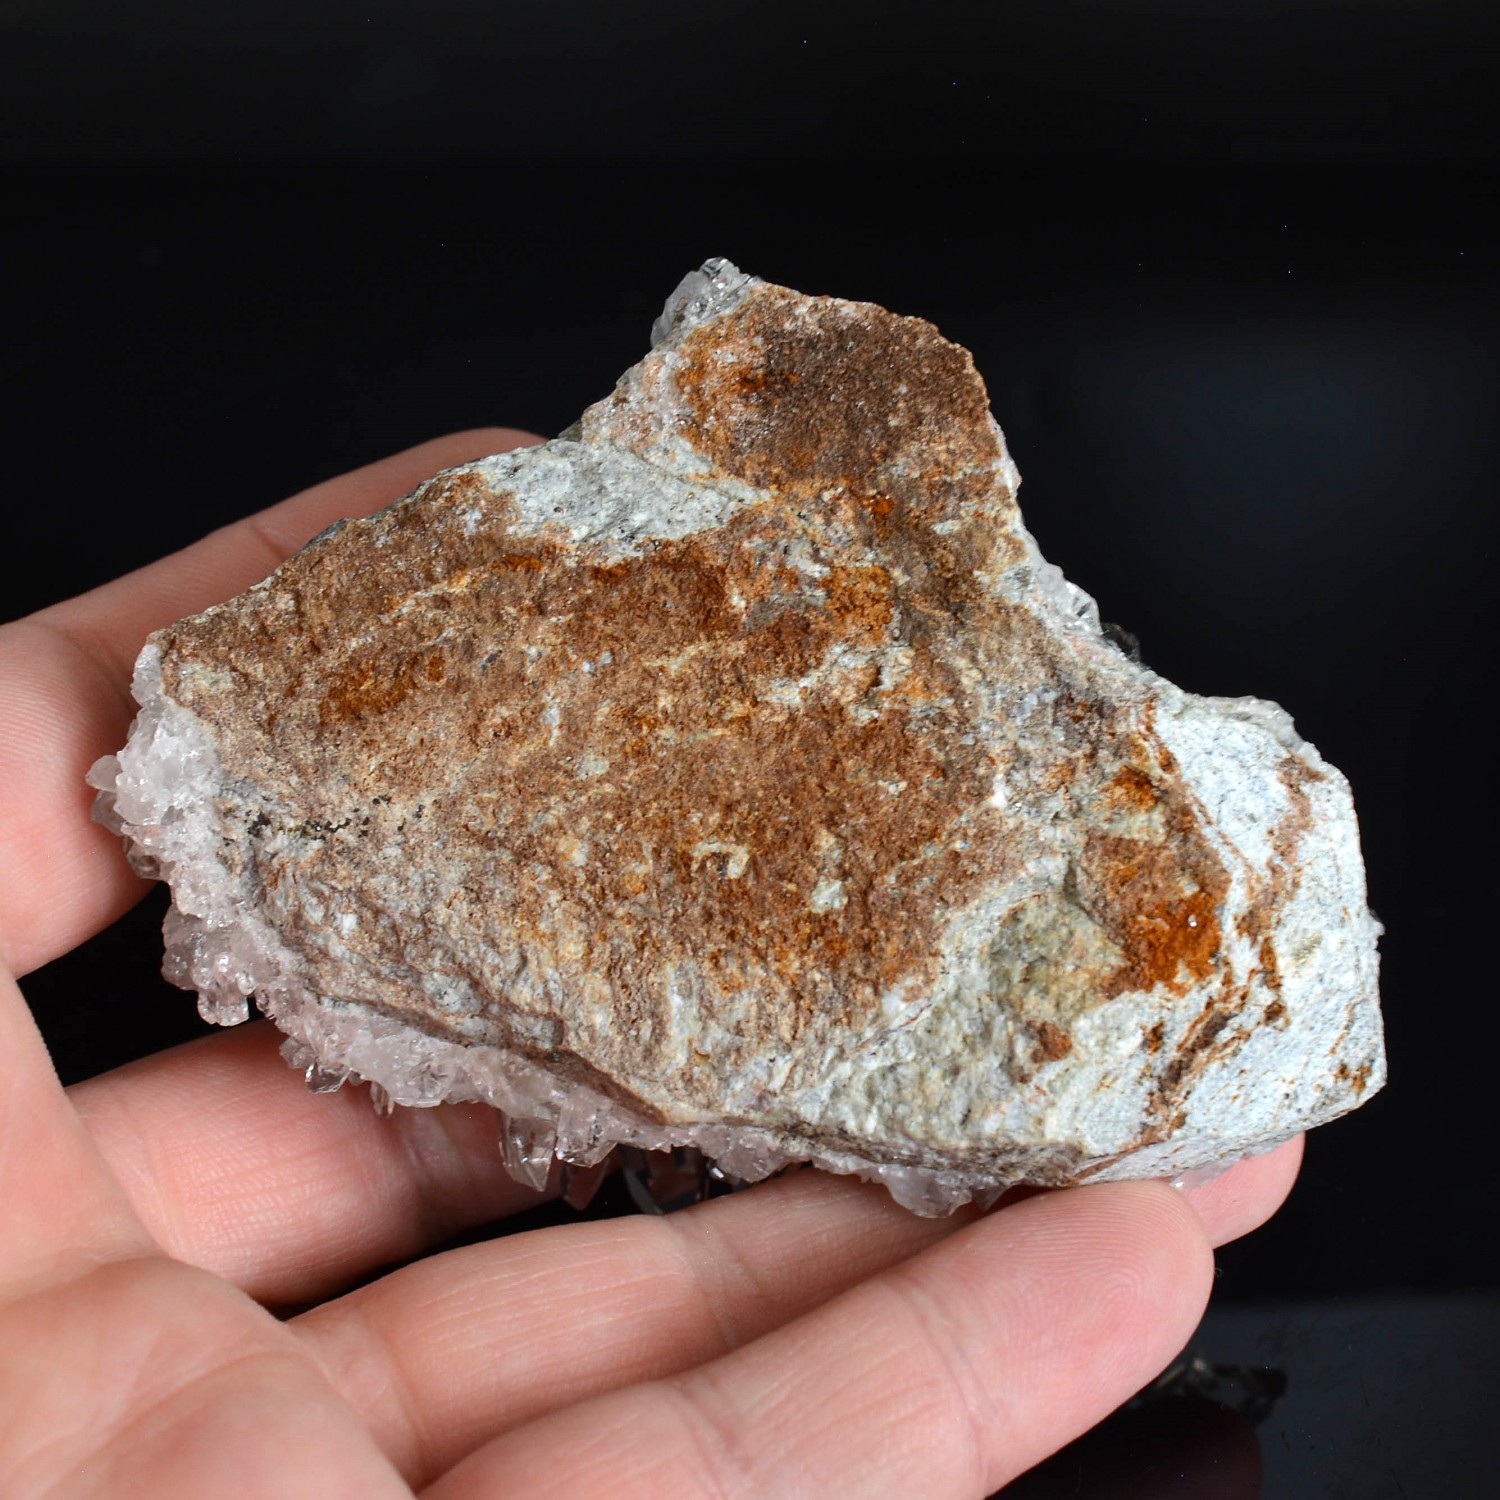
point(1158, 889)
point(1131, 789)
point(1149, 899)
point(804, 399)
point(1358, 1078)
point(1052, 1042)
point(1222, 1025)
point(369, 688)
point(786, 397)
point(684, 760)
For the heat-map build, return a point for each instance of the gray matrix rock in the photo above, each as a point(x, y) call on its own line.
point(733, 771)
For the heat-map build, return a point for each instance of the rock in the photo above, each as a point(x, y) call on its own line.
point(733, 771)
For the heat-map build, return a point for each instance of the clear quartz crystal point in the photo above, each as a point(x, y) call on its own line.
point(528, 1145)
point(321, 1080)
point(923, 1193)
point(103, 776)
point(297, 1055)
point(219, 1009)
point(583, 1137)
point(728, 1180)
point(661, 1182)
point(700, 294)
point(382, 1101)
point(580, 1184)
point(1196, 1177)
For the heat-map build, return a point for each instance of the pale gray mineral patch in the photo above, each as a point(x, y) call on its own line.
point(733, 771)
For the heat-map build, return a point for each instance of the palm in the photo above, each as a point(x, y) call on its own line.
point(807, 1337)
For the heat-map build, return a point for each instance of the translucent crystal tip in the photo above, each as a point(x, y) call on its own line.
point(714, 288)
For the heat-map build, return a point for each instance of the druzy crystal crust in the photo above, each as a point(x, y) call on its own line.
point(733, 772)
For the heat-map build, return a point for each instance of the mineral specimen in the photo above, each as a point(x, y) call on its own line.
point(733, 771)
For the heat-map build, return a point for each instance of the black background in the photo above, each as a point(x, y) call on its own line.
point(1229, 270)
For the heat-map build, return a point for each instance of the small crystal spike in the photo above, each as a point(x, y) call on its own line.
point(1196, 1177)
point(382, 1101)
point(582, 1134)
point(923, 1193)
point(321, 1080)
point(527, 1145)
point(661, 1182)
point(223, 1010)
point(726, 1181)
point(579, 1184)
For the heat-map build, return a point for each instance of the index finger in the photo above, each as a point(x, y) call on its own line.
point(64, 694)
point(945, 1375)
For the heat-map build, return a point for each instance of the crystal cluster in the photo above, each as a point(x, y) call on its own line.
point(732, 772)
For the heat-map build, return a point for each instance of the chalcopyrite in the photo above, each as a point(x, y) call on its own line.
point(733, 771)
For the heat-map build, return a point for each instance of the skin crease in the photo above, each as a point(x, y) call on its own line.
point(806, 1336)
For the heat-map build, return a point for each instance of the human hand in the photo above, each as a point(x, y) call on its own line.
point(807, 1337)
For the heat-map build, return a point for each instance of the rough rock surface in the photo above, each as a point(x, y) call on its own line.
point(733, 770)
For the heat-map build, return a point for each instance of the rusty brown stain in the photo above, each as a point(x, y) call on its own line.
point(1132, 789)
point(371, 689)
point(1209, 1036)
point(1154, 893)
point(1358, 1078)
point(1159, 899)
point(1271, 890)
point(860, 599)
point(1204, 1041)
point(1270, 974)
point(1213, 1033)
point(1052, 1042)
point(783, 400)
point(686, 641)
